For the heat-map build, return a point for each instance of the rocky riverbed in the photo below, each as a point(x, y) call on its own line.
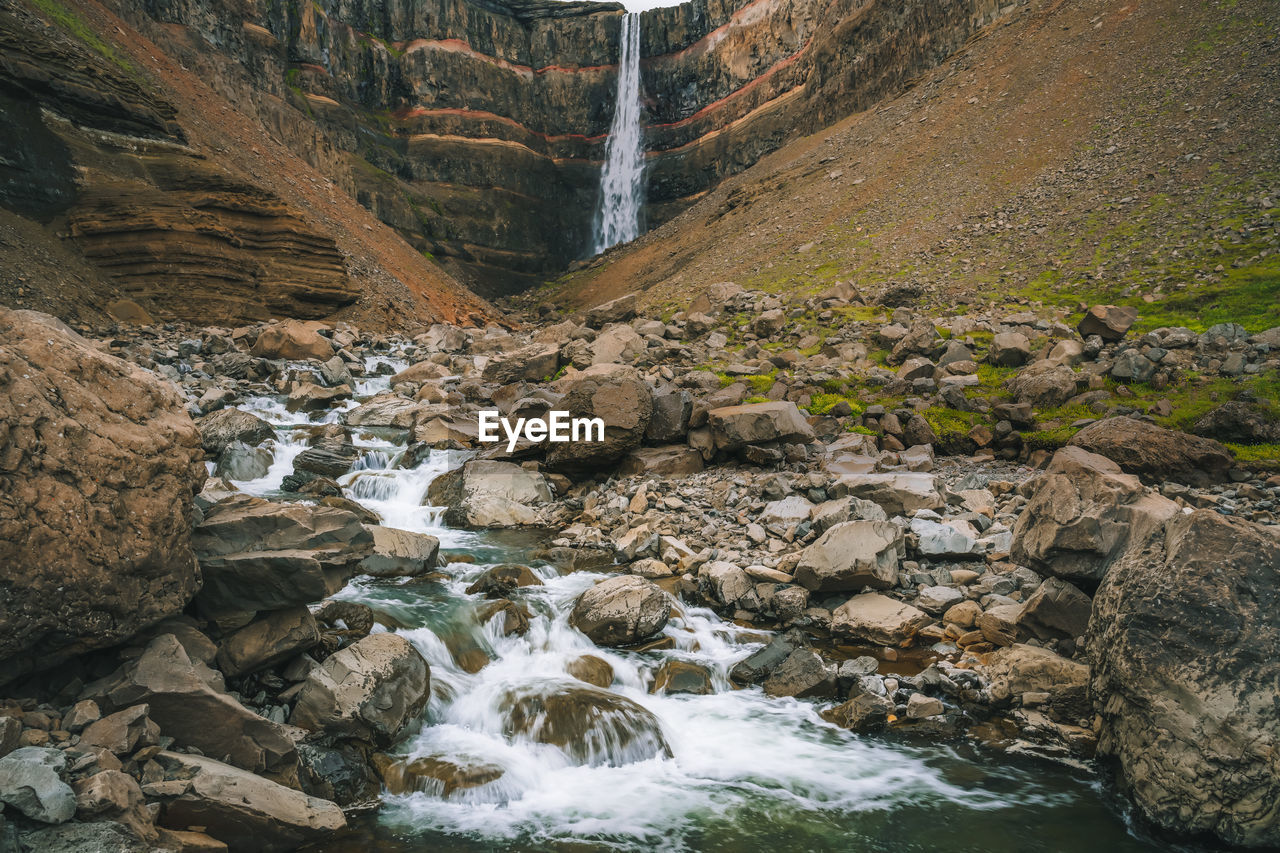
point(835, 573)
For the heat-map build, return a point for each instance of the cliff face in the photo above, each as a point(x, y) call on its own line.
point(476, 127)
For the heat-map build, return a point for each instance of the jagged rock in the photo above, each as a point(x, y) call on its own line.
point(787, 512)
point(1240, 422)
point(615, 345)
point(245, 811)
point(1018, 669)
point(733, 427)
point(1009, 349)
point(1185, 644)
point(614, 311)
point(938, 599)
point(865, 712)
point(999, 624)
point(533, 363)
point(400, 553)
point(258, 555)
point(1109, 322)
point(340, 774)
point(114, 795)
point(188, 702)
point(621, 610)
point(803, 674)
point(31, 782)
point(1056, 610)
point(617, 396)
point(878, 619)
point(268, 640)
point(293, 340)
point(756, 667)
point(1082, 513)
point(99, 466)
point(896, 494)
point(723, 583)
point(946, 539)
point(227, 426)
point(484, 493)
point(669, 421)
point(852, 555)
point(369, 691)
point(122, 732)
point(242, 462)
point(1155, 453)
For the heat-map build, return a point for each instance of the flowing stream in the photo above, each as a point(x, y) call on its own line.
point(738, 772)
point(617, 219)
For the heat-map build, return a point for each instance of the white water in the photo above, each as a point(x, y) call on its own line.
point(617, 218)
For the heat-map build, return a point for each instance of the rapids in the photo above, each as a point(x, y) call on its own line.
point(730, 771)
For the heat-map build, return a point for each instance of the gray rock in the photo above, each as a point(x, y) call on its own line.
point(31, 782)
point(852, 555)
point(621, 610)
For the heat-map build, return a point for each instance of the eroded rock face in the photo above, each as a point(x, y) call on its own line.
point(621, 610)
point(99, 465)
point(369, 691)
point(1082, 514)
point(1155, 453)
point(1185, 642)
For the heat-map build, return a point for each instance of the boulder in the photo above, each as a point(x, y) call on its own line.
point(244, 811)
point(803, 674)
point(878, 619)
point(680, 676)
point(896, 494)
point(786, 513)
point(937, 600)
point(228, 426)
point(400, 553)
point(946, 539)
point(259, 555)
point(484, 493)
point(114, 795)
point(31, 782)
point(533, 363)
point(591, 669)
point(1018, 669)
point(1082, 513)
point(621, 610)
point(293, 340)
point(852, 555)
point(1109, 322)
point(674, 461)
point(1055, 611)
point(865, 712)
point(723, 583)
point(386, 410)
point(614, 311)
point(733, 427)
point(1185, 645)
point(592, 727)
point(1156, 454)
point(999, 624)
point(1009, 349)
point(618, 397)
point(122, 732)
point(99, 466)
point(370, 691)
point(920, 706)
point(1241, 422)
point(616, 345)
point(433, 774)
point(669, 421)
point(241, 462)
point(99, 837)
point(268, 640)
point(1043, 385)
point(756, 667)
point(501, 581)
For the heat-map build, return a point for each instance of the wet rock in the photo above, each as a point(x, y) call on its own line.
point(484, 493)
point(434, 775)
point(1156, 454)
point(591, 726)
point(1082, 513)
point(1185, 644)
point(242, 462)
point(400, 553)
point(865, 712)
point(756, 667)
point(268, 640)
point(293, 340)
point(245, 811)
point(351, 616)
point(1056, 610)
point(804, 674)
point(31, 782)
point(621, 610)
point(369, 691)
point(515, 617)
point(188, 702)
point(591, 669)
point(852, 555)
point(878, 619)
point(100, 465)
point(733, 427)
point(617, 396)
point(501, 581)
point(677, 676)
point(228, 426)
point(1109, 322)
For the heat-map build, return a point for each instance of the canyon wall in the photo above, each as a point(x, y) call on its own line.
point(476, 127)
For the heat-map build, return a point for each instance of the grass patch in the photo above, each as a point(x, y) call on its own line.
point(79, 29)
point(1048, 439)
point(821, 404)
point(1266, 456)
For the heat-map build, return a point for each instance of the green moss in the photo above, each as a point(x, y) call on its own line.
point(79, 29)
point(950, 423)
point(1048, 439)
point(1266, 456)
point(821, 404)
point(756, 399)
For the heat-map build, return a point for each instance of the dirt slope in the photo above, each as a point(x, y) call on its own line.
point(1074, 150)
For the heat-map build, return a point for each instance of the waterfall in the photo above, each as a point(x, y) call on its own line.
point(617, 219)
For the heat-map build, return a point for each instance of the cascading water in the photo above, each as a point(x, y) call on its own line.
point(732, 770)
point(617, 218)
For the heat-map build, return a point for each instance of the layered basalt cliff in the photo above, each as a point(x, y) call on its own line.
point(477, 127)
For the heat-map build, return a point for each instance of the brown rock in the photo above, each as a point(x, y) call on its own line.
point(293, 340)
point(591, 669)
point(1110, 322)
point(621, 610)
point(99, 463)
point(1156, 454)
point(617, 396)
point(122, 732)
point(268, 640)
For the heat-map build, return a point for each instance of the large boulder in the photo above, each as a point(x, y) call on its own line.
point(1017, 669)
point(1043, 384)
point(618, 397)
point(387, 410)
point(1082, 514)
point(31, 781)
point(1240, 421)
point(258, 555)
point(895, 493)
point(188, 701)
point(484, 493)
point(99, 466)
point(621, 610)
point(534, 363)
point(228, 426)
point(878, 619)
point(1185, 643)
point(268, 640)
point(1055, 611)
point(294, 340)
point(676, 460)
point(733, 427)
point(400, 553)
point(852, 555)
point(1109, 322)
point(370, 691)
point(591, 726)
point(244, 811)
point(1155, 453)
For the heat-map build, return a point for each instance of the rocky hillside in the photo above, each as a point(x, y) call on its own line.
point(131, 186)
